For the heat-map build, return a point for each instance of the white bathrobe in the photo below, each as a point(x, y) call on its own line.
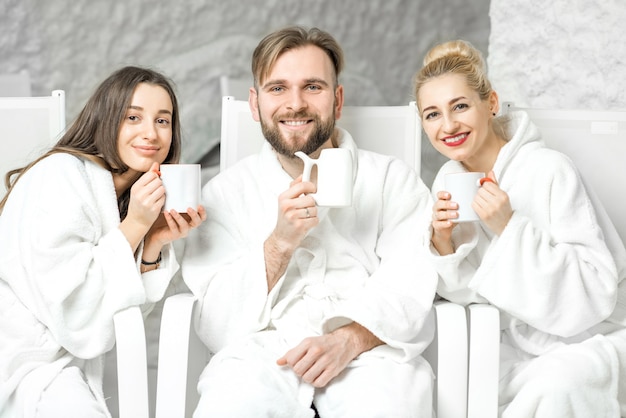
point(65, 270)
point(553, 272)
point(361, 263)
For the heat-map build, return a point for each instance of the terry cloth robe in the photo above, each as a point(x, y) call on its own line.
point(361, 263)
point(554, 271)
point(65, 270)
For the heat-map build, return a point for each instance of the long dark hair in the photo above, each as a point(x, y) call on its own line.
point(94, 133)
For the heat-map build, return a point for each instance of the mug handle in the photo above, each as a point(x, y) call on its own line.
point(485, 180)
point(308, 165)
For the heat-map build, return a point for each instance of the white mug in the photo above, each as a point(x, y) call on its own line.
point(463, 188)
point(182, 186)
point(334, 176)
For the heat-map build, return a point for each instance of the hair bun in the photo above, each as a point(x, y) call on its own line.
point(454, 57)
point(458, 48)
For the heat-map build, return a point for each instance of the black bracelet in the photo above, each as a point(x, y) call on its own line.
point(152, 263)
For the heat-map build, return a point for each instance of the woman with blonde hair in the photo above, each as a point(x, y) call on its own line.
point(83, 237)
point(537, 253)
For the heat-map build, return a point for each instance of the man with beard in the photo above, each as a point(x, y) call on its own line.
point(304, 304)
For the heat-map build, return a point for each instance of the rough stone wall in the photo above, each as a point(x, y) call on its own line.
point(73, 45)
point(559, 53)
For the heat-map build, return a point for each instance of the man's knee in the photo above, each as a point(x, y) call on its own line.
point(387, 389)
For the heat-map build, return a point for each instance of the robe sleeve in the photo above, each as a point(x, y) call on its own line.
point(224, 266)
point(72, 267)
point(557, 274)
point(456, 270)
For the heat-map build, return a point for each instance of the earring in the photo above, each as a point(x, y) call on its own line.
point(493, 114)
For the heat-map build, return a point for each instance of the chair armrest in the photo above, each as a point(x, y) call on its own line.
point(484, 361)
point(447, 355)
point(176, 320)
point(132, 363)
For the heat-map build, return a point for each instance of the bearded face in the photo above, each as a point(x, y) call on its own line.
point(287, 143)
point(298, 101)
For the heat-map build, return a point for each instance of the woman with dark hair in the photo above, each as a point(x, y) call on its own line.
point(83, 237)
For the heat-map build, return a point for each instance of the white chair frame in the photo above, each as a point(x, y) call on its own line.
point(393, 130)
point(29, 125)
point(132, 364)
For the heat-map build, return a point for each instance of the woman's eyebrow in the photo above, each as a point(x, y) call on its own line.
point(135, 107)
point(452, 101)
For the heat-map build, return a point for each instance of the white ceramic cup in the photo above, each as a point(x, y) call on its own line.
point(182, 186)
point(334, 176)
point(463, 188)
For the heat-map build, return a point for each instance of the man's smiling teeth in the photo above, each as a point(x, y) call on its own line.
point(454, 139)
point(295, 122)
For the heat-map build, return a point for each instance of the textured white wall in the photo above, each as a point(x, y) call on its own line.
point(73, 44)
point(562, 53)
point(559, 53)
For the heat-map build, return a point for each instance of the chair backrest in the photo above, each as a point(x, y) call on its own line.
point(390, 130)
point(596, 142)
point(28, 125)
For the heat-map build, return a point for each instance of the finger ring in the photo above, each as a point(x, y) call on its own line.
point(308, 215)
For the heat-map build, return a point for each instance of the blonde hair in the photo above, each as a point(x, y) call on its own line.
point(455, 57)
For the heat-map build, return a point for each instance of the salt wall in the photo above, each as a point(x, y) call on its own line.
point(559, 53)
point(73, 45)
